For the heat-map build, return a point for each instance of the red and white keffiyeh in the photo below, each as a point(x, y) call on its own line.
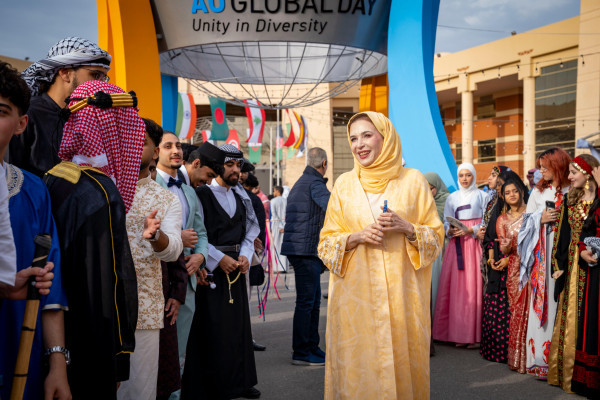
point(110, 139)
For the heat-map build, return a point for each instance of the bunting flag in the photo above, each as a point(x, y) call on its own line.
point(219, 130)
point(206, 137)
point(302, 146)
point(300, 138)
point(279, 143)
point(256, 122)
point(254, 153)
point(233, 138)
point(186, 116)
point(291, 139)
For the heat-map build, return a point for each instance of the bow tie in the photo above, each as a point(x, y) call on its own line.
point(175, 182)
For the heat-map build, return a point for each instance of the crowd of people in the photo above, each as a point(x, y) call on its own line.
point(155, 244)
point(147, 285)
point(145, 292)
point(518, 279)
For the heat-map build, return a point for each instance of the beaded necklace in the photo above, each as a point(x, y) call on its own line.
point(231, 282)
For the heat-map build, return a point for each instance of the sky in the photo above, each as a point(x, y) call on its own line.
point(475, 17)
point(28, 28)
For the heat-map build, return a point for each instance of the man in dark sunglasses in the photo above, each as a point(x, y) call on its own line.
point(51, 80)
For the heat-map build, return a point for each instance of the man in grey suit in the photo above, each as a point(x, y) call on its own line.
point(170, 158)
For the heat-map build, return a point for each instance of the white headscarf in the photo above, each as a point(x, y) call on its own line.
point(467, 193)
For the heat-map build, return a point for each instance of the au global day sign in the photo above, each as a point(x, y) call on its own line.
point(360, 24)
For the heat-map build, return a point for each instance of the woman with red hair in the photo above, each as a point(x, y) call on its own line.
point(536, 240)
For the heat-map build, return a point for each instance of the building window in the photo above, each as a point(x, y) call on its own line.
point(486, 150)
point(458, 153)
point(343, 160)
point(341, 115)
point(486, 107)
point(555, 95)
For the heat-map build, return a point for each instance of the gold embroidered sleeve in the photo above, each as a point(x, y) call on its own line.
point(426, 248)
point(334, 235)
point(429, 231)
point(558, 234)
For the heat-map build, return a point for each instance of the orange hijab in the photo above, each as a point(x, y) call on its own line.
point(387, 166)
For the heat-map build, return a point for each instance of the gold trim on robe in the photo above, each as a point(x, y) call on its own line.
point(378, 319)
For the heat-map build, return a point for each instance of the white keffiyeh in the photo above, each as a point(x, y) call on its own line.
point(68, 53)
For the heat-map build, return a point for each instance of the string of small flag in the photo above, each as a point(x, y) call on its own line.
point(291, 134)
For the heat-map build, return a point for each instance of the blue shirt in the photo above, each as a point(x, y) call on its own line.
point(30, 215)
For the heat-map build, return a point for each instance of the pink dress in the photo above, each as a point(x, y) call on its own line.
point(458, 307)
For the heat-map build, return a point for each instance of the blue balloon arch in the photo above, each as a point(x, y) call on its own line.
point(413, 105)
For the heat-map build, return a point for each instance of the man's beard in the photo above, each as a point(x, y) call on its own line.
point(144, 165)
point(231, 180)
point(74, 83)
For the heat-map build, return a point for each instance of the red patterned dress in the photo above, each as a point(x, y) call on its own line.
point(518, 300)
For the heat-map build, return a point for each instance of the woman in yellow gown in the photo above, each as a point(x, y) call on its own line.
point(378, 322)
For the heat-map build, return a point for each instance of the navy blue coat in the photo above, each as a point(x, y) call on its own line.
point(304, 214)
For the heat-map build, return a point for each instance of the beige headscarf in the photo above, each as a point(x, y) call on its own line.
point(387, 166)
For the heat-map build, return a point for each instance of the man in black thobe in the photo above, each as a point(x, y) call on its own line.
point(220, 357)
point(100, 324)
point(97, 266)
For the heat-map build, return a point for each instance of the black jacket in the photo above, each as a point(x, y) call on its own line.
point(305, 213)
point(36, 149)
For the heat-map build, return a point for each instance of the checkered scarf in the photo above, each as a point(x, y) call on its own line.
point(252, 227)
point(232, 153)
point(68, 53)
point(110, 140)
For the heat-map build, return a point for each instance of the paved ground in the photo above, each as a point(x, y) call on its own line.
point(455, 373)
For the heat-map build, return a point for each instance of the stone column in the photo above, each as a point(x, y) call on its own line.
point(466, 98)
point(528, 123)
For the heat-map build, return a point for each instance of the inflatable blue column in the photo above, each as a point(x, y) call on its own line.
point(413, 106)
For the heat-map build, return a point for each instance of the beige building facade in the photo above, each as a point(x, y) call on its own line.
point(506, 101)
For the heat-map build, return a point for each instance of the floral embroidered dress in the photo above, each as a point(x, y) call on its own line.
point(495, 316)
point(542, 306)
point(569, 287)
point(518, 300)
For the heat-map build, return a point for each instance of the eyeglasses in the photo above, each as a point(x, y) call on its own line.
point(98, 75)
